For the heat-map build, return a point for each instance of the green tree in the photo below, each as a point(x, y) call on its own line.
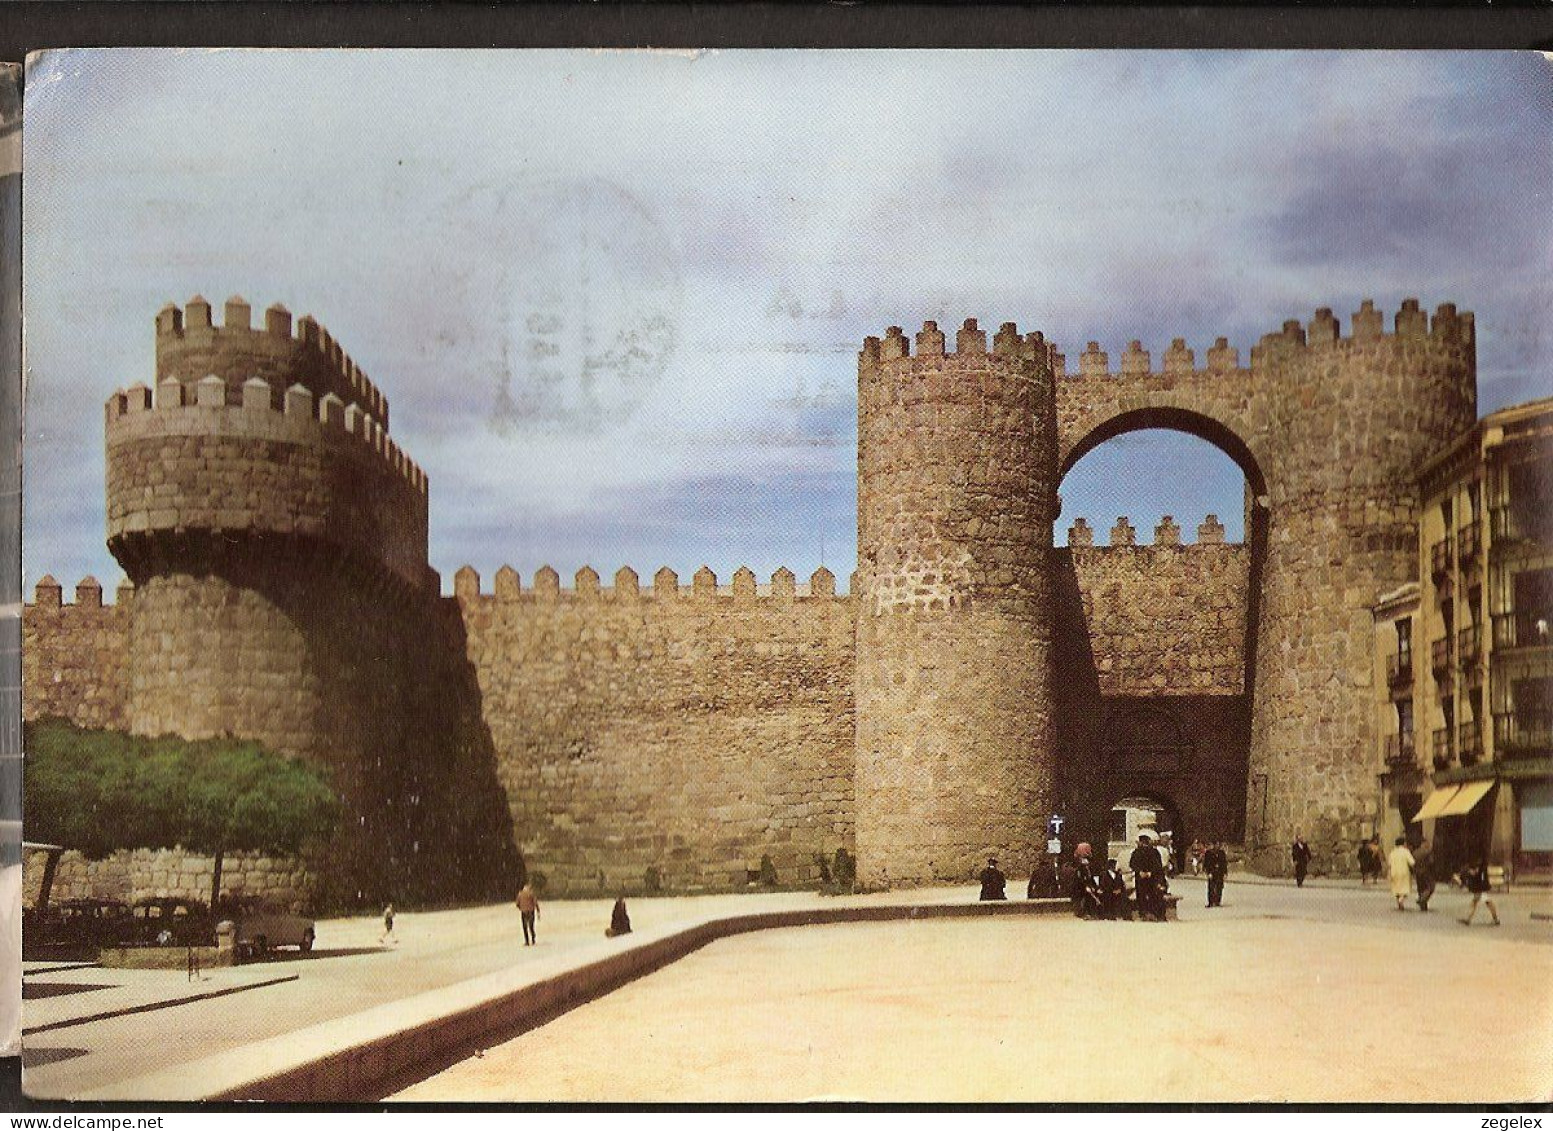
point(98, 790)
point(241, 797)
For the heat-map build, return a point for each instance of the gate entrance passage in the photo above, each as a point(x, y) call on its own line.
point(1131, 817)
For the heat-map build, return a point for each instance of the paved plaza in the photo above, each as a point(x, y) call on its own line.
point(1323, 993)
point(1318, 995)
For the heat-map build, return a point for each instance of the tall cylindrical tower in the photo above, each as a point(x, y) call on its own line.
point(1356, 417)
point(276, 537)
point(957, 473)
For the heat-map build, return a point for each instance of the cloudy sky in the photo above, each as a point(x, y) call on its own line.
point(615, 298)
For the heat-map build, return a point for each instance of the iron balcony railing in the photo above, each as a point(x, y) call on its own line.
point(1440, 656)
point(1523, 732)
point(1399, 670)
point(1502, 526)
point(1470, 743)
point(1440, 559)
point(1523, 629)
point(1399, 749)
point(1467, 541)
point(1505, 529)
point(1469, 642)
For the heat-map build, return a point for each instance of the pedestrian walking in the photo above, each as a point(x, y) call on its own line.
point(1369, 862)
point(1216, 864)
point(993, 881)
point(1148, 871)
point(1400, 866)
point(388, 925)
point(1300, 852)
point(528, 911)
point(193, 961)
point(1423, 873)
point(1194, 858)
point(1475, 880)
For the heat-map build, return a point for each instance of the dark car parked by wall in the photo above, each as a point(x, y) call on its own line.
point(170, 921)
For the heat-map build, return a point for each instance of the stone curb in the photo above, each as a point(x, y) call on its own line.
point(376, 1064)
point(155, 1005)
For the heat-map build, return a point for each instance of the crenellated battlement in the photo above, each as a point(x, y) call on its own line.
point(193, 461)
point(1167, 534)
point(663, 587)
point(1447, 328)
point(970, 344)
point(190, 347)
point(259, 411)
point(48, 594)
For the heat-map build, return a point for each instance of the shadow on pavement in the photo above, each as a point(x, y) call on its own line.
point(32, 991)
point(35, 1057)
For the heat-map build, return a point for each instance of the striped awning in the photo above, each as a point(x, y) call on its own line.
point(1437, 801)
point(1466, 799)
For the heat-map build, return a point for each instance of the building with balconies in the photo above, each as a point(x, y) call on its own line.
point(1484, 603)
point(1403, 775)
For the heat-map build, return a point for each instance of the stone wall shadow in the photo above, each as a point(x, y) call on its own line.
point(474, 855)
point(1080, 710)
point(400, 730)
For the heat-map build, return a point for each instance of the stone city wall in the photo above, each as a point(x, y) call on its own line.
point(672, 736)
point(1330, 429)
point(687, 729)
point(1166, 618)
point(143, 873)
point(74, 657)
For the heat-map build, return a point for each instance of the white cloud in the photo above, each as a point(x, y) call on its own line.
point(581, 275)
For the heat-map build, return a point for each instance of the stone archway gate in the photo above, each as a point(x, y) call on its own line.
point(960, 454)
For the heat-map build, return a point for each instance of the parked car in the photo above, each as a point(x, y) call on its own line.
point(86, 922)
point(261, 928)
point(170, 921)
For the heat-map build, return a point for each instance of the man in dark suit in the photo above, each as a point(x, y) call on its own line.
point(1300, 852)
point(1148, 871)
point(1216, 864)
point(992, 881)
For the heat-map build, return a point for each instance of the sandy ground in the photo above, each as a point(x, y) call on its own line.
point(1251, 1005)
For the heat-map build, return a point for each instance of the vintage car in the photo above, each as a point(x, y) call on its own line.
point(86, 922)
point(170, 921)
point(261, 928)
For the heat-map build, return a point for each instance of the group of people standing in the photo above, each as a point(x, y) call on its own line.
point(1102, 892)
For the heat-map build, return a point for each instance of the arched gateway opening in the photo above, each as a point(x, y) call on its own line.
point(1156, 629)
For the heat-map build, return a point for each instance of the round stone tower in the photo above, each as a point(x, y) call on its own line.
point(1356, 418)
point(957, 472)
point(276, 537)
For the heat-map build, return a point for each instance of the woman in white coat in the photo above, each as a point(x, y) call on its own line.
point(1400, 862)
